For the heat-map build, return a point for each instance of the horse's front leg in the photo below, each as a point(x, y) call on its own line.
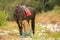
point(20, 26)
point(33, 24)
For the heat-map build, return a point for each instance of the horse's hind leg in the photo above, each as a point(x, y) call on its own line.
point(20, 26)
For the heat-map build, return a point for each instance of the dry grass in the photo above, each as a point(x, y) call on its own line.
point(48, 17)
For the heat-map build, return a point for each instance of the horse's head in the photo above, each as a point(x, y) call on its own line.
point(18, 8)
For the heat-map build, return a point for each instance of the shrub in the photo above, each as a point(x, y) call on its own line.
point(3, 17)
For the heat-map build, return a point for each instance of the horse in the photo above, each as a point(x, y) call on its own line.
point(19, 17)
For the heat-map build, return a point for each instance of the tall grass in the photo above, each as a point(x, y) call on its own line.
point(3, 17)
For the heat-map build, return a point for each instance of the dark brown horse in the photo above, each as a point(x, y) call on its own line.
point(19, 17)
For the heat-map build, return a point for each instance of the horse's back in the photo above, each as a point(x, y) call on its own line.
point(20, 15)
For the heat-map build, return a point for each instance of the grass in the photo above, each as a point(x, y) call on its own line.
point(55, 35)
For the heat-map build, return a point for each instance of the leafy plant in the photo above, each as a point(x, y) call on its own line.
point(3, 17)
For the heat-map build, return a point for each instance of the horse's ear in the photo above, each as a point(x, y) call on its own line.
point(17, 5)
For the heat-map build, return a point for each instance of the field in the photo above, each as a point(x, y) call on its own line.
point(11, 31)
point(47, 21)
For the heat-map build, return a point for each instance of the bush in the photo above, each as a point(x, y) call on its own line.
point(3, 18)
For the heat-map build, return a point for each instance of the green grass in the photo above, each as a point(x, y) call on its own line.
point(55, 35)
